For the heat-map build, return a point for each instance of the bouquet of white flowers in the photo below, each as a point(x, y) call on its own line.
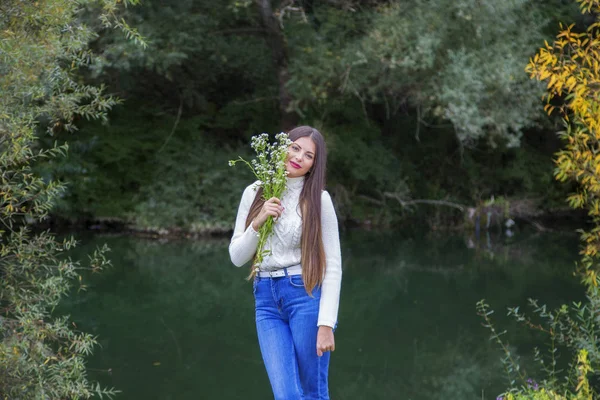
point(269, 169)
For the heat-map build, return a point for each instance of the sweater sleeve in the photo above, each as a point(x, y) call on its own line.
point(244, 240)
point(330, 290)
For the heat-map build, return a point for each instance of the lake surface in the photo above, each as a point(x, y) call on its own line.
point(175, 318)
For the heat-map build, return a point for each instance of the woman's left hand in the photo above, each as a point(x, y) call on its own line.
point(325, 340)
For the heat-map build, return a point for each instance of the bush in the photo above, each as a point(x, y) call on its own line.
point(42, 45)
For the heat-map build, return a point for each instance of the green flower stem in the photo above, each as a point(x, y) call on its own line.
point(263, 234)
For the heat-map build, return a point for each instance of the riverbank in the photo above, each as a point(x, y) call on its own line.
point(491, 217)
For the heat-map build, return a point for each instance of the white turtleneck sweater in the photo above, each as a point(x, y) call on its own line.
point(284, 243)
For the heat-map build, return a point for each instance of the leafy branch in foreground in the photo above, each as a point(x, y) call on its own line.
point(521, 387)
point(571, 68)
point(510, 360)
point(43, 45)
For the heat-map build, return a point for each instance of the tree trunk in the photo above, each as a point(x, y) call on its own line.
point(276, 42)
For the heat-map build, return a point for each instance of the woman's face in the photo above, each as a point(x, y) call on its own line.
point(301, 157)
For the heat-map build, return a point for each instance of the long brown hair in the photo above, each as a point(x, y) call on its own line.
point(313, 252)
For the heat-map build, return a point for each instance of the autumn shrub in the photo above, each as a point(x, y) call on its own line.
point(570, 66)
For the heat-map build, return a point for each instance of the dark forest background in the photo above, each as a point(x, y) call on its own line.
point(425, 106)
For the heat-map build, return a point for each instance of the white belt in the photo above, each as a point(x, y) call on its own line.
point(293, 270)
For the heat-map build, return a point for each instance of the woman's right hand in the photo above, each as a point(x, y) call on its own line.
point(271, 208)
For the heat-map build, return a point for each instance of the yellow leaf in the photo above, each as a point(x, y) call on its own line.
point(552, 81)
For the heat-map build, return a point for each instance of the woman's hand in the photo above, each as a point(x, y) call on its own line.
point(271, 208)
point(325, 340)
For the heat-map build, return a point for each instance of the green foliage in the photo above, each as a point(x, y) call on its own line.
point(107, 165)
point(379, 79)
point(377, 172)
point(362, 169)
point(42, 45)
point(459, 61)
point(562, 330)
point(208, 57)
point(570, 66)
point(191, 188)
point(143, 169)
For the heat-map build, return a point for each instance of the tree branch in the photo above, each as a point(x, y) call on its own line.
point(233, 31)
point(405, 203)
point(256, 100)
point(175, 125)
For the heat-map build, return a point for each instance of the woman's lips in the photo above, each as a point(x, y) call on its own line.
point(293, 164)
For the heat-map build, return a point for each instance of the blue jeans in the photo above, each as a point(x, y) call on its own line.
point(286, 322)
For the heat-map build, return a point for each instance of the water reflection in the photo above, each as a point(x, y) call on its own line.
point(175, 319)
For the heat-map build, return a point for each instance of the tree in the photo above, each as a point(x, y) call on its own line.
point(392, 84)
point(457, 61)
point(571, 68)
point(42, 46)
point(276, 41)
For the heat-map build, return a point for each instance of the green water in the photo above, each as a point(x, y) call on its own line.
point(175, 319)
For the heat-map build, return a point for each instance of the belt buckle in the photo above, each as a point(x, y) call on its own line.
point(275, 274)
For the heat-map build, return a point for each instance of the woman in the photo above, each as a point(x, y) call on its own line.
point(297, 287)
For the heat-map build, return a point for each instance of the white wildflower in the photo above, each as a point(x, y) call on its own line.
point(269, 169)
